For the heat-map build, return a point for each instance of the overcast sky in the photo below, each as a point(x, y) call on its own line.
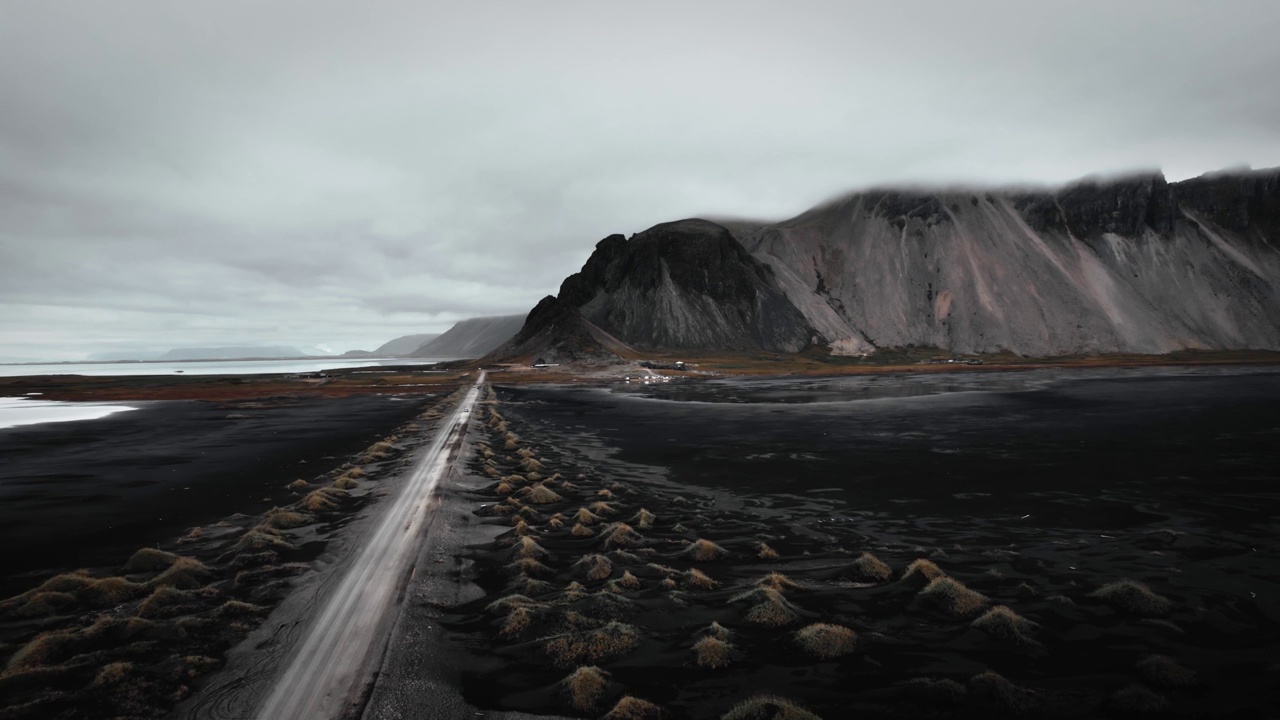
point(323, 173)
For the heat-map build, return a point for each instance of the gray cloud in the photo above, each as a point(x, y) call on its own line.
point(341, 173)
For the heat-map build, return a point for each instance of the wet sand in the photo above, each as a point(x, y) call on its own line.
point(1034, 489)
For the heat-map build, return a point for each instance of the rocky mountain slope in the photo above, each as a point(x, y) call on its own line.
point(471, 338)
point(1132, 264)
point(404, 344)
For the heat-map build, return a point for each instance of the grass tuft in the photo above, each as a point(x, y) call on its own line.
point(702, 550)
point(580, 530)
point(46, 604)
point(990, 691)
point(869, 568)
point(633, 708)
point(1002, 622)
point(585, 687)
point(518, 621)
point(531, 567)
point(261, 538)
point(712, 653)
point(540, 495)
point(644, 519)
point(768, 707)
point(1164, 672)
point(768, 607)
point(602, 508)
point(594, 567)
point(185, 574)
point(149, 560)
point(767, 553)
point(285, 519)
point(610, 641)
point(585, 517)
point(621, 535)
point(699, 580)
point(527, 547)
point(323, 500)
point(1133, 597)
point(1138, 700)
point(922, 568)
point(574, 592)
point(826, 641)
point(629, 581)
point(952, 597)
point(777, 581)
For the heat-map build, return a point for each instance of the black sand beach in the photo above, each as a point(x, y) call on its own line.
point(1036, 491)
point(79, 494)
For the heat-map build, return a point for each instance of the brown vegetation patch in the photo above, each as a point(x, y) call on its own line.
point(1133, 597)
point(149, 560)
point(285, 519)
point(1002, 622)
point(702, 550)
point(768, 707)
point(585, 687)
point(644, 519)
point(580, 530)
point(767, 553)
point(699, 580)
point(185, 574)
point(712, 653)
point(826, 641)
point(922, 568)
point(777, 581)
point(540, 495)
point(952, 597)
point(610, 641)
point(990, 691)
point(633, 708)
point(869, 568)
point(768, 607)
point(602, 508)
point(594, 567)
point(621, 535)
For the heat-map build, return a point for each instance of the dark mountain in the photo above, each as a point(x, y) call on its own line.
point(403, 345)
point(556, 332)
point(471, 338)
point(1133, 264)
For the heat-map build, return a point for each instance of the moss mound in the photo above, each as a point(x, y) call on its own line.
point(826, 641)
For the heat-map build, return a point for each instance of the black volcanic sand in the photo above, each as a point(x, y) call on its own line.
point(139, 631)
point(77, 494)
point(1034, 489)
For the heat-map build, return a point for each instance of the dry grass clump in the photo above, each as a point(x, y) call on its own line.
point(767, 553)
point(869, 568)
point(111, 674)
point(528, 514)
point(628, 581)
point(234, 609)
point(602, 508)
point(777, 581)
point(768, 707)
point(922, 568)
point(167, 601)
point(937, 691)
point(574, 592)
point(345, 483)
point(526, 453)
point(621, 535)
point(512, 441)
point(699, 580)
point(702, 550)
point(712, 653)
point(580, 530)
point(610, 641)
point(1133, 597)
point(992, 692)
point(586, 517)
point(323, 499)
point(530, 567)
point(1163, 671)
point(633, 708)
point(555, 522)
point(768, 607)
point(1002, 622)
point(594, 567)
point(377, 451)
point(518, 621)
point(530, 464)
point(297, 484)
point(149, 560)
point(718, 631)
point(46, 604)
point(507, 603)
point(523, 528)
point(585, 687)
point(540, 495)
point(503, 488)
point(185, 574)
point(644, 519)
point(262, 538)
point(826, 641)
point(527, 547)
point(604, 494)
point(285, 519)
point(1138, 700)
point(952, 597)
